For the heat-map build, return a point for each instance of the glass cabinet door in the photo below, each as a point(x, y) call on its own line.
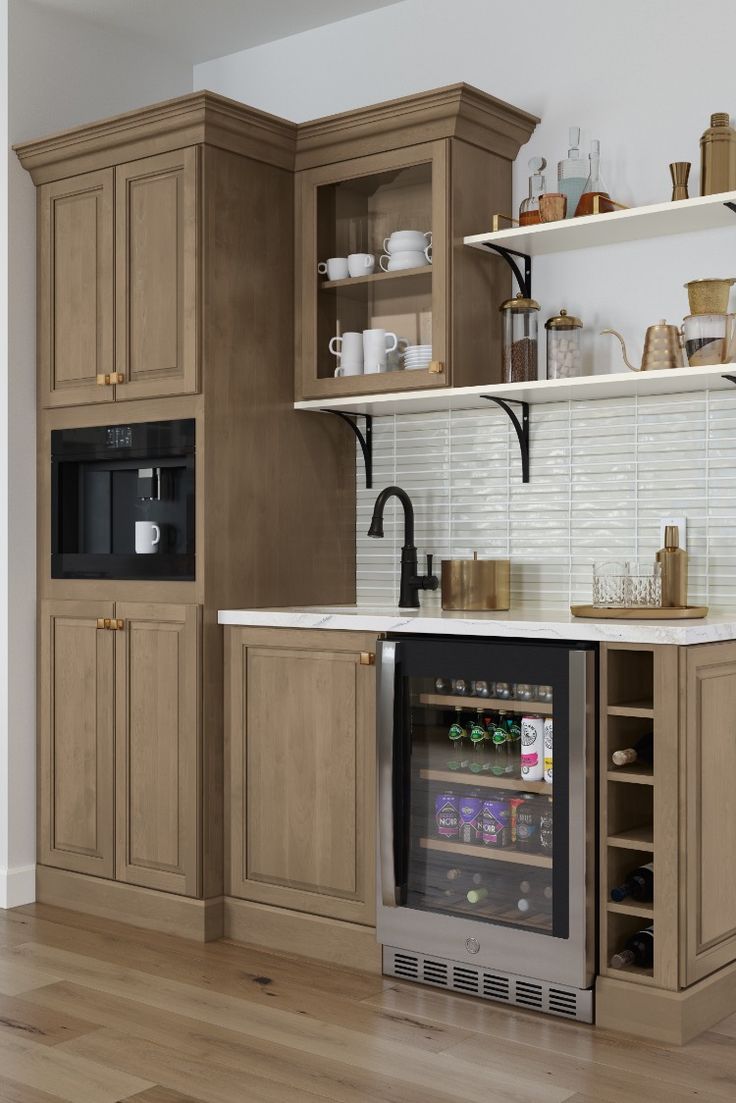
point(481, 804)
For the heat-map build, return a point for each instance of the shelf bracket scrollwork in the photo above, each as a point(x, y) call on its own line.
point(521, 427)
point(524, 280)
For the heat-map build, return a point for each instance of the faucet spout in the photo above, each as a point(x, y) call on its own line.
point(411, 581)
point(376, 529)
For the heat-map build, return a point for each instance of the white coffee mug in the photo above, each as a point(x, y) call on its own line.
point(348, 349)
point(377, 344)
point(401, 240)
point(361, 264)
point(396, 262)
point(147, 537)
point(336, 268)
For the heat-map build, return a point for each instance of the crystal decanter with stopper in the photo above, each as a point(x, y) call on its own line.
point(594, 186)
point(572, 173)
point(529, 207)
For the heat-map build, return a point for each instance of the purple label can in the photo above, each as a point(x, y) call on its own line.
point(495, 823)
point(470, 810)
point(446, 815)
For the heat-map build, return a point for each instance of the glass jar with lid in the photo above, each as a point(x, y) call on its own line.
point(564, 353)
point(520, 322)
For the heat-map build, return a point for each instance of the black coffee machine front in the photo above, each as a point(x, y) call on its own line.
point(123, 500)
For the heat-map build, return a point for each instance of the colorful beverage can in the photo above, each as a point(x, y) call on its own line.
point(495, 823)
point(527, 826)
point(446, 815)
point(548, 734)
point(470, 828)
point(514, 804)
point(532, 748)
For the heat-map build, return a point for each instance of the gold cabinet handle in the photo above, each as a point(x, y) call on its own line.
point(102, 622)
point(111, 624)
point(109, 379)
point(118, 625)
point(437, 367)
point(367, 658)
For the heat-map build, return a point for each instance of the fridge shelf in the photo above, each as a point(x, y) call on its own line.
point(450, 777)
point(467, 850)
point(450, 701)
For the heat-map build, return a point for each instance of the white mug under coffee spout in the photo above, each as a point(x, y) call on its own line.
point(377, 344)
point(147, 537)
point(361, 264)
point(336, 268)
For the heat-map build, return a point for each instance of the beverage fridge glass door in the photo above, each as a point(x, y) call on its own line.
point(484, 811)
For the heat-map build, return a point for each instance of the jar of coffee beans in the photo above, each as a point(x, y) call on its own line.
point(564, 355)
point(520, 342)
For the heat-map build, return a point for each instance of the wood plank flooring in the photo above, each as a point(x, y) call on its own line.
point(93, 1011)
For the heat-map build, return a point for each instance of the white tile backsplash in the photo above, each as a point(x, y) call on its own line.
point(602, 475)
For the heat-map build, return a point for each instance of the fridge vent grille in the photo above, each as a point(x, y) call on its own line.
point(572, 1003)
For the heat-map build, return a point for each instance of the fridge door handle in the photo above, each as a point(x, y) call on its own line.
point(385, 688)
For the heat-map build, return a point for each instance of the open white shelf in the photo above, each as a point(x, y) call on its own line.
point(618, 385)
point(707, 212)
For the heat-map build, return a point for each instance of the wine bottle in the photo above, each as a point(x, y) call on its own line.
point(528, 888)
point(642, 751)
point(476, 895)
point(639, 950)
point(639, 885)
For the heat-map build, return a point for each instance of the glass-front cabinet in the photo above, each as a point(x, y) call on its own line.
point(484, 810)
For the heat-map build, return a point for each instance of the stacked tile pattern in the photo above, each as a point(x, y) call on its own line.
point(603, 473)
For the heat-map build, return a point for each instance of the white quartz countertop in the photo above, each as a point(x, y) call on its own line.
point(431, 619)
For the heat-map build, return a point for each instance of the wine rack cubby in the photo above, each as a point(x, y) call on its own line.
point(638, 804)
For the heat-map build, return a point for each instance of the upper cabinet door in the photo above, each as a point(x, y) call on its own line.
point(157, 276)
point(157, 679)
point(75, 286)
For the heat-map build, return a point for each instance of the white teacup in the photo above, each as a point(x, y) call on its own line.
point(361, 264)
point(396, 262)
point(336, 268)
point(377, 344)
point(147, 537)
point(349, 350)
point(402, 240)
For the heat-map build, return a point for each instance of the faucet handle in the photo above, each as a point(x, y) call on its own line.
point(430, 581)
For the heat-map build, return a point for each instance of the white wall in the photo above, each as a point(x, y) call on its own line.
point(58, 71)
point(642, 78)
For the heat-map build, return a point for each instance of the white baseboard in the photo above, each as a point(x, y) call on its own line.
point(17, 886)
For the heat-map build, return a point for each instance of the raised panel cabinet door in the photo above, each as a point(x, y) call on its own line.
point(157, 752)
point(75, 289)
point(301, 788)
point(76, 735)
point(156, 275)
point(708, 827)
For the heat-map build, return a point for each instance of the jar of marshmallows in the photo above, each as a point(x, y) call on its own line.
point(564, 354)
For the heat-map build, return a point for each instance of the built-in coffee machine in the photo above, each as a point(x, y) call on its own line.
point(122, 501)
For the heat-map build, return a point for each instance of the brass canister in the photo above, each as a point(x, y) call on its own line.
point(474, 585)
point(718, 156)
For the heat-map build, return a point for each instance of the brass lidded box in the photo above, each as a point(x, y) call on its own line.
point(475, 585)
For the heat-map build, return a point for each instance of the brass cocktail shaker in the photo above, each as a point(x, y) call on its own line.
point(718, 156)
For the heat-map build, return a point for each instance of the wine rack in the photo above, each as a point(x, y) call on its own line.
point(638, 814)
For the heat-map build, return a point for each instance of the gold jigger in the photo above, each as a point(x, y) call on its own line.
point(680, 171)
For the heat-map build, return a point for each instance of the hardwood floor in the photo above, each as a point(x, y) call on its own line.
point(92, 1011)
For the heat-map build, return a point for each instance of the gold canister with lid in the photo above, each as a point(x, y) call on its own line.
point(476, 585)
point(564, 354)
point(519, 339)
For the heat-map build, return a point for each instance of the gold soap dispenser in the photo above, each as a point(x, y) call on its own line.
point(673, 563)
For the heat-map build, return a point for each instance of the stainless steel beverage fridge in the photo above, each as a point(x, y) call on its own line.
point(486, 818)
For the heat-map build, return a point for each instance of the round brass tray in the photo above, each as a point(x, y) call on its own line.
point(596, 612)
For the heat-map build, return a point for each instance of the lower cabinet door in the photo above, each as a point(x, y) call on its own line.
point(301, 776)
point(76, 737)
point(708, 827)
point(157, 746)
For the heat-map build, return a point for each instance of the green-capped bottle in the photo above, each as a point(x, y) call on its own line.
point(513, 747)
point(456, 735)
point(500, 755)
point(477, 738)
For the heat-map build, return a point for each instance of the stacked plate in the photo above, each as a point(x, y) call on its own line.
point(417, 357)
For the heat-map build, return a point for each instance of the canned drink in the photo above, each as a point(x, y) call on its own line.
point(527, 826)
point(447, 815)
point(532, 748)
point(548, 734)
point(514, 803)
point(470, 814)
point(546, 833)
point(495, 823)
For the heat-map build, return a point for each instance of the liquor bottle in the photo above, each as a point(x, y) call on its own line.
point(594, 186)
point(572, 172)
point(639, 885)
point(642, 751)
point(529, 208)
point(477, 740)
point(456, 735)
point(639, 950)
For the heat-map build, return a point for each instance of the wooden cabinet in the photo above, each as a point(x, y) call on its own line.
point(708, 828)
point(300, 771)
point(75, 285)
point(119, 250)
point(76, 735)
point(157, 723)
point(156, 275)
point(120, 742)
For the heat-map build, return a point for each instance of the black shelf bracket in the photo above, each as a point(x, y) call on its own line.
point(731, 206)
point(521, 427)
point(730, 378)
point(525, 281)
point(365, 440)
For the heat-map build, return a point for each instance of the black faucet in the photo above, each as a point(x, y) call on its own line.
point(411, 582)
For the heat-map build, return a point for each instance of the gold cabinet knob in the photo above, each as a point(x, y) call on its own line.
point(109, 379)
point(367, 658)
point(437, 367)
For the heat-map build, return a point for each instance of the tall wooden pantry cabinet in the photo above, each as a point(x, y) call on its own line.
point(165, 291)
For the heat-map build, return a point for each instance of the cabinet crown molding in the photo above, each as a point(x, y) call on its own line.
point(454, 111)
point(201, 117)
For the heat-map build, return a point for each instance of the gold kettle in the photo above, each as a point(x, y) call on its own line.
point(662, 347)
